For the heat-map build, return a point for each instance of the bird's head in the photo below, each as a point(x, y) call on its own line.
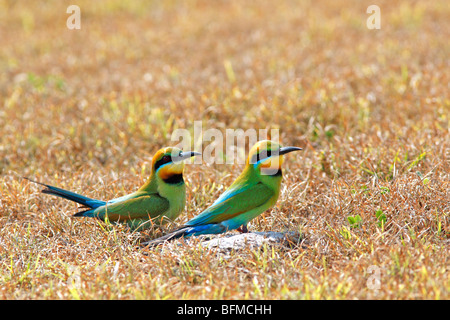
point(266, 157)
point(168, 163)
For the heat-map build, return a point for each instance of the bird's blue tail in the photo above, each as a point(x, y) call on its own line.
point(72, 196)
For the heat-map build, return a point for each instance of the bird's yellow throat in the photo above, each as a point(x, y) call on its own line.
point(271, 165)
point(170, 170)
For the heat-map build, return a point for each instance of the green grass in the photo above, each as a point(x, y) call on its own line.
point(86, 109)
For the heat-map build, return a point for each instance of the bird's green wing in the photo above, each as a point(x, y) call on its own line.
point(146, 206)
point(240, 202)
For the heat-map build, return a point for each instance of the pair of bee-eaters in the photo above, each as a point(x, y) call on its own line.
point(162, 198)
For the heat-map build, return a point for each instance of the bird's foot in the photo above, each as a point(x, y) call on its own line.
point(242, 229)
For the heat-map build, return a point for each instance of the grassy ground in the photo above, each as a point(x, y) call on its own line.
point(85, 109)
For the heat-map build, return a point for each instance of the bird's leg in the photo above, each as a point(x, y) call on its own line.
point(243, 229)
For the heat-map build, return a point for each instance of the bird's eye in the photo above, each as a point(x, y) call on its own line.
point(166, 159)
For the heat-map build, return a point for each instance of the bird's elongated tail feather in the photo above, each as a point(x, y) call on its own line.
point(183, 231)
point(187, 231)
point(72, 196)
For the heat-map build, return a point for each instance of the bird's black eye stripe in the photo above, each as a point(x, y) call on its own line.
point(263, 154)
point(165, 159)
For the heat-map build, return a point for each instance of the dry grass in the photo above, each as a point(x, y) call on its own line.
point(85, 109)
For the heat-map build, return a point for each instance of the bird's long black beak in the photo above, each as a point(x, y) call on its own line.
point(185, 155)
point(285, 150)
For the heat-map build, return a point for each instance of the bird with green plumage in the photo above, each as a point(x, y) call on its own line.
point(161, 199)
point(253, 192)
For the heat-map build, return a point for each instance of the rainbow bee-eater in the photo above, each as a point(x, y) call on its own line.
point(162, 198)
point(253, 192)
